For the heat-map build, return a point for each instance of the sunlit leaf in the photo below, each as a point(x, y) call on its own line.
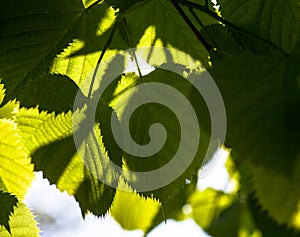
point(21, 223)
point(49, 139)
point(153, 111)
point(132, 211)
point(16, 172)
point(7, 204)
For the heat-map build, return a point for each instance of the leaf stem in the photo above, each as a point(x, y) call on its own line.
point(106, 46)
point(131, 45)
point(206, 4)
point(190, 24)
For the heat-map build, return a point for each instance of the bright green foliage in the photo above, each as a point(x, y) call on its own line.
point(15, 218)
point(251, 49)
point(132, 211)
point(206, 205)
point(21, 223)
point(49, 138)
point(16, 172)
point(7, 204)
point(151, 113)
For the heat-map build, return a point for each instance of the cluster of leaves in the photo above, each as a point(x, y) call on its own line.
point(251, 49)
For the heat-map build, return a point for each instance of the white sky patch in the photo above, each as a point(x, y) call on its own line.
point(218, 177)
point(60, 216)
point(178, 229)
point(145, 68)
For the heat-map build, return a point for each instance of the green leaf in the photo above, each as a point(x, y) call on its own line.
point(87, 39)
point(266, 224)
point(236, 220)
point(134, 89)
point(271, 188)
point(16, 172)
point(57, 96)
point(21, 223)
point(173, 208)
point(258, 102)
point(262, 101)
point(132, 211)
point(7, 110)
point(50, 141)
point(165, 28)
point(33, 34)
point(276, 21)
point(207, 205)
point(7, 204)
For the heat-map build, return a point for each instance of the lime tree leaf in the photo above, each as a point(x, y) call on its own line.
point(236, 220)
point(262, 102)
point(33, 34)
point(271, 188)
point(86, 41)
point(160, 29)
point(266, 224)
point(49, 139)
point(7, 110)
point(150, 113)
point(7, 204)
point(52, 93)
point(173, 208)
point(276, 21)
point(132, 211)
point(21, 223)
point(207, 205)
point(223, 38)
point(16, 172)
point(258, 102)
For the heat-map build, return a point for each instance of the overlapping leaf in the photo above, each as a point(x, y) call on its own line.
point(132, 211)
point(159, 112)
point(272, 188)
point(21, 223)
point(276, 21)
point(7, 204)
point(50, 141)
point(258, 103)
point(33, 34)
point(16, 172)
